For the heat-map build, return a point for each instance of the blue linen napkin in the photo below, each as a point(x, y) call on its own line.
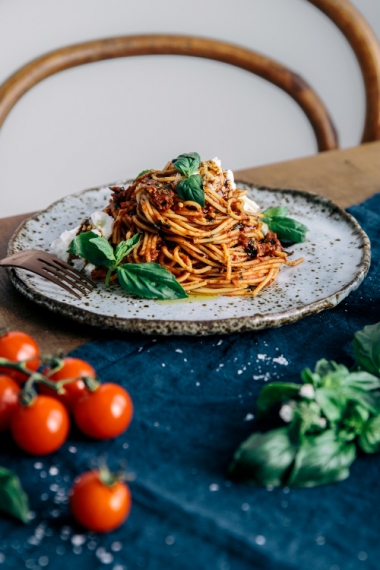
point(194, 403)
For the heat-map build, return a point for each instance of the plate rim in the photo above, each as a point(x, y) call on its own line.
point(229, 325)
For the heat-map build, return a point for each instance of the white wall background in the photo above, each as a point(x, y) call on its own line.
point(106, 121)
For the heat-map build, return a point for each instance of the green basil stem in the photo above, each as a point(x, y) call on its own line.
point(109, 273)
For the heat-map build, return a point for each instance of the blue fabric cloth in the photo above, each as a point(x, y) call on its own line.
point(194, 399)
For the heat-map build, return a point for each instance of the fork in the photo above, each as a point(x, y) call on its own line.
point(52, 268)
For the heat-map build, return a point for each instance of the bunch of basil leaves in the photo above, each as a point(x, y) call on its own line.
point(326, 420)
point(147, 280)
point(190, 187)
point(286, 228)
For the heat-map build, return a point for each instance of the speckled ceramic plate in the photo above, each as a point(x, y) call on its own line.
point(337, 258)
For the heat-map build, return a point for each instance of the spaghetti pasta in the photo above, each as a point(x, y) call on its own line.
point(221, 248)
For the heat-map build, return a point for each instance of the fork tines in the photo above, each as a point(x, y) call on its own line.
point(49, 266)
point(62, 270)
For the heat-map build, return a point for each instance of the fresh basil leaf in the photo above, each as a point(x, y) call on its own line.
point(263, 458)
point(105, 250)
point(325, 367)
point(192, 189)
point(355, 417)
point(332, 375)
point(369, 439)
point(287, 229)
point(280, 211)
point(13, 500)
point(125, 247)
point(93, 248)
point(309, 377)
point(141, 174)
point(320, 460)
point(366, 345)
point(275, 393)
point(149, 281)
point(361, 381)
point(332, 403)
point(369, 400)
point(188, 163)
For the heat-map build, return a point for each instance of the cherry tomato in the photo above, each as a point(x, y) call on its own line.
point(98, 506)
point(72, 368)
point(9, 390)
point(41, 427)
point(104, 413)
point(17, 346)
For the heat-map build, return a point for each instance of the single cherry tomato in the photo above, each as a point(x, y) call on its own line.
point(9, 390)
point(97, 505)
point(40, 427)
point(72, 368)
point(105, 412)
point(18, 346)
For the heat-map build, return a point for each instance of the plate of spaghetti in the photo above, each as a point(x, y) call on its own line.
point(187, 250)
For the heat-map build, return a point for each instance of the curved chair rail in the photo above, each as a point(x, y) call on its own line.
point(64, 58)
point(367, 50)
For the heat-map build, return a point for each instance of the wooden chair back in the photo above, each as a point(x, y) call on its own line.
point(341, 12)
point(367, 50)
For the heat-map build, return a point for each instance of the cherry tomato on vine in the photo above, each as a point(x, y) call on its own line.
point(9, 390)
point(105, 412)
point(40, 427)
point(18, 346)
point(97, 505)
point(72, 368)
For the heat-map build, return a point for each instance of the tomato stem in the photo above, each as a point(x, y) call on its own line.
point(91, 382)
point(55, 363)
point(28, 393)
point(107, 477)
point(19, 366)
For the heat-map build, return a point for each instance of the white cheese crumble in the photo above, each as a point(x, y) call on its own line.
point(102, 225)
point(102, 222)
point(250, 205)
point(217, 161)
point(230, 177)
point(60, 245)
point(78, 263)
point(89, 269)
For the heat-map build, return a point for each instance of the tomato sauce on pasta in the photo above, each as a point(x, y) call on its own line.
point(221, 248)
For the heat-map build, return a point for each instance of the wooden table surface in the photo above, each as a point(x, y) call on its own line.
point(345, 176)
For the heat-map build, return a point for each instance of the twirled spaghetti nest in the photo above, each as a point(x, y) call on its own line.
point(220, 248)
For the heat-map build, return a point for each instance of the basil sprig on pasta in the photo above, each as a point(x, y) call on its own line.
point(190, 187)
point(335, 412)
point(141, 174)
point(287, 229)
point(146, 280)
point(150, 281)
